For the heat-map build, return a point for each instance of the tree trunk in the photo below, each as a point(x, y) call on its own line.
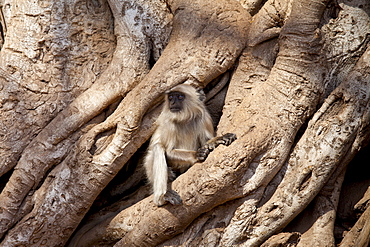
point(81, 86)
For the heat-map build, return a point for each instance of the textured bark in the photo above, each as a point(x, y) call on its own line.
point(39, 55)
point(296, 191)
point(254, 145)
point(51, 144)
point(204, 31)
point(359, 234)
point(81, 84)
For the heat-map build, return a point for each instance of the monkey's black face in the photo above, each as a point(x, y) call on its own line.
point(176, 101)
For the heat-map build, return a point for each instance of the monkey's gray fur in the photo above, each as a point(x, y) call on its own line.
point(184, 136)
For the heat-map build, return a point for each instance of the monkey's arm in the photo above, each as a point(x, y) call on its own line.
point(181, 159)
point(157, 172)
point(204, 151)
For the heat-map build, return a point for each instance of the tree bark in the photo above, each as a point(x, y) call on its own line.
point(81, 86)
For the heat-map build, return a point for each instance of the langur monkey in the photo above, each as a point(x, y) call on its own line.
point(184, 136)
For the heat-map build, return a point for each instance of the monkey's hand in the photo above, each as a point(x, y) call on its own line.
point(227, 139)
point(203, 152)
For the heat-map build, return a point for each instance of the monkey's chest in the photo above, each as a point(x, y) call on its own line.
point(186, 139)
point(187, 142)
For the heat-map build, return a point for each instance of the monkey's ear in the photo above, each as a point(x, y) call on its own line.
point(201, 95)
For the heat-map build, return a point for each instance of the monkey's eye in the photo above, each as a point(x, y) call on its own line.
point(170, 97)
point(181, 97)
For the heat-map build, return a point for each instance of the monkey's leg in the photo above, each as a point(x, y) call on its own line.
point(203, 152)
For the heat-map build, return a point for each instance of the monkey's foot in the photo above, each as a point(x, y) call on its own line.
point(172, 197)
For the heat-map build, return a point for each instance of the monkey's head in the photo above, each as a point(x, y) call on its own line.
point(175, 101)
point(184, 103)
